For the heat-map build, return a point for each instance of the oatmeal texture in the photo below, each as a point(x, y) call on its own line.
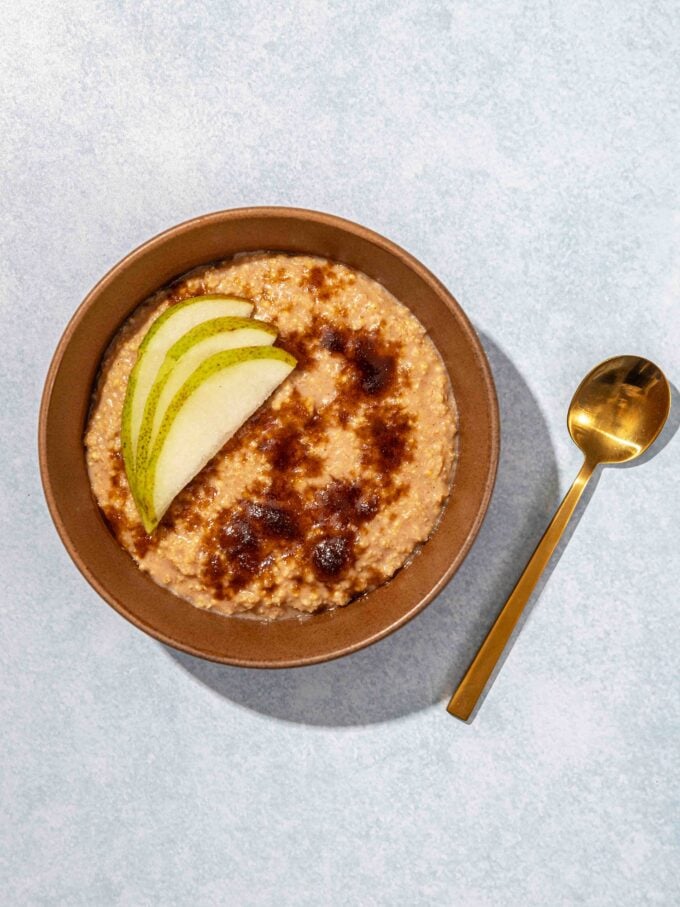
point(332, 486)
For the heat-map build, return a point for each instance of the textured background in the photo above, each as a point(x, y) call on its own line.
point(528, 153)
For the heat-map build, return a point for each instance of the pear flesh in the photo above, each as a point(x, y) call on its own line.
point(163, 333)
point(212, 404)
point(182, 359)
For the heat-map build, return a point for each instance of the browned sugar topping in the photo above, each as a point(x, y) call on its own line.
point(318, 529)
point(282, 516)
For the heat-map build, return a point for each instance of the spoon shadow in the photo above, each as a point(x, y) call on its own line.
point(667, 434)
point(419, 666)
point(535, 595)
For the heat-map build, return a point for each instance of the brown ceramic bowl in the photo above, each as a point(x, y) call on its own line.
point(111, 571)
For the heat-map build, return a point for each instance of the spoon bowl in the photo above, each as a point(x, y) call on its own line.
point(619, 409)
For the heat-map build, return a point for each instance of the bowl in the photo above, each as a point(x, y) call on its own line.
point(113, 573)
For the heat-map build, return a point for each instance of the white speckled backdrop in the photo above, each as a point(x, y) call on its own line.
point(529, 154)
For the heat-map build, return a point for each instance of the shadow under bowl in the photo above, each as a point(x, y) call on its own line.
point(66, 400)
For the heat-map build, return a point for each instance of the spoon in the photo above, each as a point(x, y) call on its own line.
point(616, 413)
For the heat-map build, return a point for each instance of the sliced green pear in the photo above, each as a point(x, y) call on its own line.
point(183, 358)
point(163, 333)
point(212, 404)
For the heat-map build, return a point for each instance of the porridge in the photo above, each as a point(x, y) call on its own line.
point(332, 485)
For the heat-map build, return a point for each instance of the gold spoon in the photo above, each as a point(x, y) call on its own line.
point(616, 413)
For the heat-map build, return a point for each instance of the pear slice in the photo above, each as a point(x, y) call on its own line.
point(163, 333)
point(182, 359)
point(212, 404)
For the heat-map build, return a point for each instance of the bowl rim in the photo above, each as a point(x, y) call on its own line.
point(367, 235)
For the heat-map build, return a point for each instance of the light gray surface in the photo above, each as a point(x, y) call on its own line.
point(528, 153)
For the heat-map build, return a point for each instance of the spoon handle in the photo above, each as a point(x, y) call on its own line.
point(470, 688)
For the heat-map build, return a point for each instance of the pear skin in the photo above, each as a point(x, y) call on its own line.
point(212, 404)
